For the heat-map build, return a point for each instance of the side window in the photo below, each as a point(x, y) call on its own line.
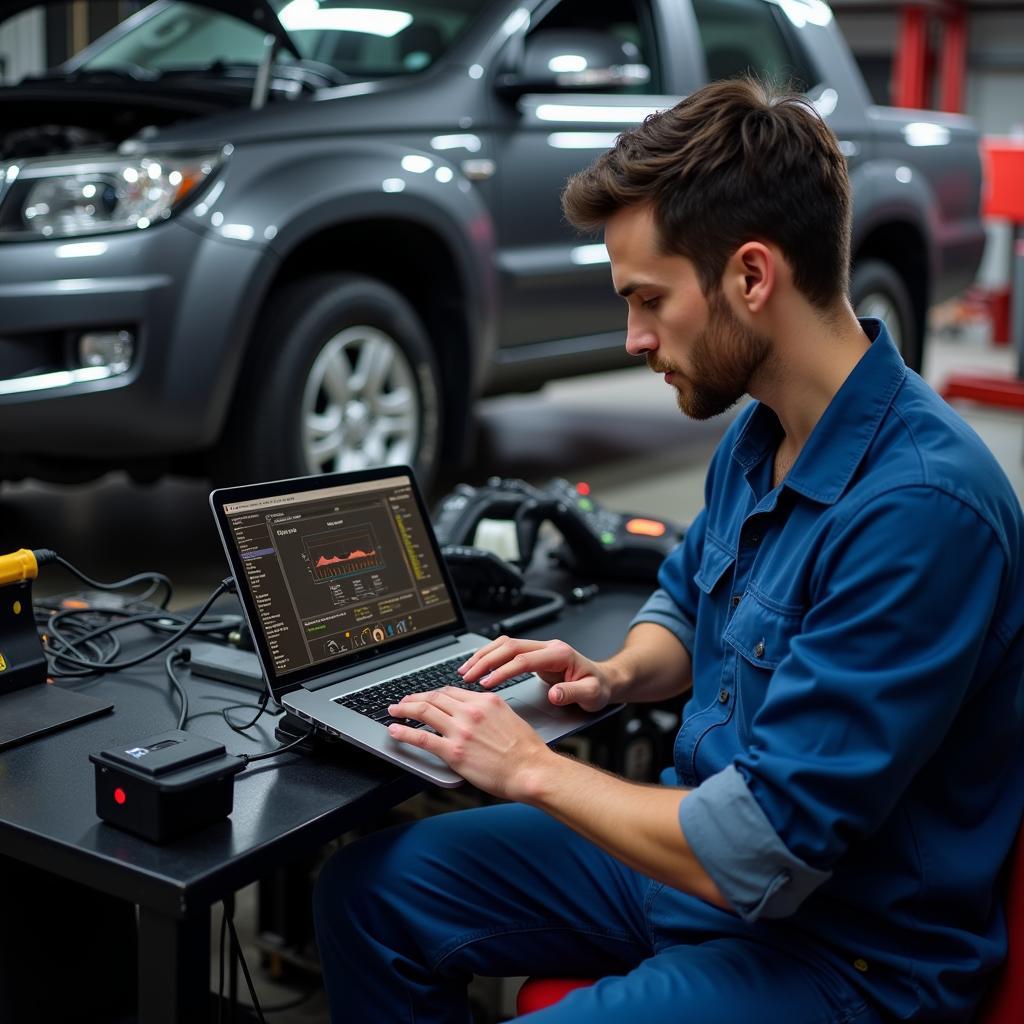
point(745, 36)
point(628, 22)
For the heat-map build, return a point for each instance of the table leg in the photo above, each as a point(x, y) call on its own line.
point(174, 968)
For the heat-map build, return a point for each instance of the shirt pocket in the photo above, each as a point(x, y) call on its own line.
point(761, 632)
point(716, 559)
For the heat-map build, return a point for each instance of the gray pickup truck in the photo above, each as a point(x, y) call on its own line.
point(263, 238)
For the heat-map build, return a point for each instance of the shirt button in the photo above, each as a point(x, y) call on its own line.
point(759, 649)
point(861, 964)
point(723, 696)
point(754, 538)
point(736, 599)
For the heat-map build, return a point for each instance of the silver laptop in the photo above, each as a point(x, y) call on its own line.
point(350, 606)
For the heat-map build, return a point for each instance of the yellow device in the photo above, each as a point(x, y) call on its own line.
point(22, 662)
point(28, 707)
point(18, 566)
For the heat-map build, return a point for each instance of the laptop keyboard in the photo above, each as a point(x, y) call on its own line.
point(374, 700)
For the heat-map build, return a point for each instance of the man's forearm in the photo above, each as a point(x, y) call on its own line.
point(637, 824)
point(652, 665)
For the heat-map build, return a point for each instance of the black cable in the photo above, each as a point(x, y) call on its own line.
point(180, 655)
point(99, 666)
point(44, 556)
point(224, 624)
point(101, 653)
point(249, 758)
point(262, 705)
point(68, 644)
point(245, 969)
point(220, 711)
point(551, 603)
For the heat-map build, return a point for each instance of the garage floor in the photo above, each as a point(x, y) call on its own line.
point(621, 432)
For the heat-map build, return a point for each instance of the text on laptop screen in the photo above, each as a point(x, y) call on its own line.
point(337, 570)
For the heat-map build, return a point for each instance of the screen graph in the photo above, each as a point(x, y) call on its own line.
point(343, 554)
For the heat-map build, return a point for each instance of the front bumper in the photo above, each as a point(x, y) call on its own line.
point(186, 298)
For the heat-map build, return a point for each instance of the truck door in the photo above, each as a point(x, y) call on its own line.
point(555, 284)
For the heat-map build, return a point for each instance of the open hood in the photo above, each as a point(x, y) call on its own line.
point(255, 12)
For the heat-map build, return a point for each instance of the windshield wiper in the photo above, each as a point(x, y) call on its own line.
point(124, 71)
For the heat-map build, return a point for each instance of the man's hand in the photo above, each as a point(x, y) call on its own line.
point(572, 678)
point(489, 745)
point(478, 735)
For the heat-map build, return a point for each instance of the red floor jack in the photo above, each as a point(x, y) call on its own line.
point(1004, 198)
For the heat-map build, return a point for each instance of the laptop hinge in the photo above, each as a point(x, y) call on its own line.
point(382, 662)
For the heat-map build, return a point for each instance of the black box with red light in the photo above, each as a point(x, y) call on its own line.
point(165, 786)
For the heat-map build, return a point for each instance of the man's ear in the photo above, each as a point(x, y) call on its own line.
point(753, 271)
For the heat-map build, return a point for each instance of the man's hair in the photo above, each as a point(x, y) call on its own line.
point(734, 162)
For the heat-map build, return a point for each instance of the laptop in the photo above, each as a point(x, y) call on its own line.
point(351, 606)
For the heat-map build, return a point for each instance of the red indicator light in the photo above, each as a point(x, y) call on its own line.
point(645, 527)
point(120, 796)
point(583, 488)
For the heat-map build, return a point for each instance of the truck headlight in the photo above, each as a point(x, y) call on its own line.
point(62, 199)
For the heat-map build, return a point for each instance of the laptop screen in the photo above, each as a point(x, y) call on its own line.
point(337, 571)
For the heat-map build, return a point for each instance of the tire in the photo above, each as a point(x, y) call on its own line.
point(341, 376)
point(876, 289)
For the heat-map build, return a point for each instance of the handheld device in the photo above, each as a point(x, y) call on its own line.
point(598, 542)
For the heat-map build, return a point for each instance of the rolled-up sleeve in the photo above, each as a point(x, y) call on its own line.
point(662, 608)
point(738, 847)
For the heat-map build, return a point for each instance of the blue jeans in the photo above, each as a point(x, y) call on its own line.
point(405, 917)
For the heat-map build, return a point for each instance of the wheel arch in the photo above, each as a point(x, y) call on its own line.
point(903, 246)
point(415, 260)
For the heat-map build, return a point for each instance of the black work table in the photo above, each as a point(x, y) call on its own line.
point(282, 808)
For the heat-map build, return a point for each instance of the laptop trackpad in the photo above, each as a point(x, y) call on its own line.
point(537, 717)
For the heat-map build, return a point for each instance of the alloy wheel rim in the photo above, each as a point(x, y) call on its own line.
point(879, 305)
point(360, 405)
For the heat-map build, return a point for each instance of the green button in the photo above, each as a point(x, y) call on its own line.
point(586, 504)
point(607, 537)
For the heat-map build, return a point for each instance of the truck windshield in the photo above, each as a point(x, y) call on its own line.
point(360, 39)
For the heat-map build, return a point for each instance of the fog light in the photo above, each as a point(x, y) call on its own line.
point(111, 350)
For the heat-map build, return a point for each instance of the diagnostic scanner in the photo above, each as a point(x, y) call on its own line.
point(165, 786)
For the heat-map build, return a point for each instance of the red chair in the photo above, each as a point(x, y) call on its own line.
point(1003, 1005)
point(538, 993)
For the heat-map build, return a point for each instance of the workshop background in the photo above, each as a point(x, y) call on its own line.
point(620, 431)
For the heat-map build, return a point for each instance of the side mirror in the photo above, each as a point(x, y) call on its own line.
point(559, 60)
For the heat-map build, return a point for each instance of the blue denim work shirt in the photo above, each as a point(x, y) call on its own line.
point(854, 738)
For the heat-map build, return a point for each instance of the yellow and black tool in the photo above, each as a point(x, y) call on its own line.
point(29, 708)
point(22, 662)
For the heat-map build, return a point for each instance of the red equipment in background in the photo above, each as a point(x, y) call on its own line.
point(1004, 198)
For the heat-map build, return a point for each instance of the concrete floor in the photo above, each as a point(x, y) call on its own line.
point(621, 432)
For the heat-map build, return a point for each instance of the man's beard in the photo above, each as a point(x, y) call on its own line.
point(723, 359)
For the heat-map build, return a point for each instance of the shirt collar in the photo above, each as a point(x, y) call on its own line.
point(846, 429)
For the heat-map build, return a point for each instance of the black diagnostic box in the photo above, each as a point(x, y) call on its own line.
point(165, 786)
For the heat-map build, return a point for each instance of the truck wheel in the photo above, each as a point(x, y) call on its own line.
point(341, 377)
point(876, 289)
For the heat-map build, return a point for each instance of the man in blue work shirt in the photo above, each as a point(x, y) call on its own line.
point(848, 608)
